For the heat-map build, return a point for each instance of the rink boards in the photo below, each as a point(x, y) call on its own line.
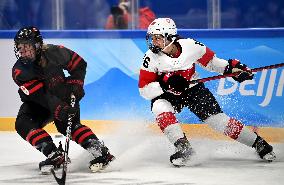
point(272, 134)
point(111, 84)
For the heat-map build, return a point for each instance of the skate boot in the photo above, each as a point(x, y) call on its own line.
point(101, 154)
point(264, 150)
point(54, 160)
point(183, 152)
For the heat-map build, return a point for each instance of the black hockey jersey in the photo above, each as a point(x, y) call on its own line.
point(44, 82)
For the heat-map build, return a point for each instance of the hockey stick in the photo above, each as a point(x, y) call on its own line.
point(62, 180)
point(234, 74)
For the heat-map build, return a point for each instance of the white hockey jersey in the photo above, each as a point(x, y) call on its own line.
point(155, 65)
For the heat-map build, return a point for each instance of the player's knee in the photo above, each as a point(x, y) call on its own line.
point(162, 105)
point(20, 126)
point(218, 121)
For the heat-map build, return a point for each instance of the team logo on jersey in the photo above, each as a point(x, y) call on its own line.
point(25, 90)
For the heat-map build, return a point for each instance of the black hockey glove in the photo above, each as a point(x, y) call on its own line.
point(235, 66)
point(78, 91)
point(176, 85)
point(76, 87)
point(63, 111)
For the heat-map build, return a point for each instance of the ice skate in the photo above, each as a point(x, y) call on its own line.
point(54, 160)
point(102, 157)
point(264, 150)
point(183, 152)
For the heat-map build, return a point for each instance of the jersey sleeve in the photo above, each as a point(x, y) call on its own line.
point(217, 65)
point(202, 53)
point(208, 59)
point(148, 84)
point(27, 78)
point(74, 64)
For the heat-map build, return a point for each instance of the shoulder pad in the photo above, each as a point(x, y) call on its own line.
point(150, 54)
point(23, 72)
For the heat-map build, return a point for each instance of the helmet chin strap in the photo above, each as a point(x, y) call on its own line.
point(165, 48)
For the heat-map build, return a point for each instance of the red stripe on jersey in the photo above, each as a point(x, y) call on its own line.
point(69, 66)
point(16, 73)
point(81, 139)
point(37, 87)
point(36, 139)
point(77, 132)
point(165, 119)
point(75, 63)
point(29, 83)
point(205, 59)
point(187, 74)
point(146, 77)
point(233, 128)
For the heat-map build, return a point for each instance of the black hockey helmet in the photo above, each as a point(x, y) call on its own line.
point(28, 35)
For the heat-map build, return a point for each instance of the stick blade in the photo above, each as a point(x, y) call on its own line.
point(62, 180)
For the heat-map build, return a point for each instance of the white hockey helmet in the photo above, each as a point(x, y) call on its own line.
point(162, 26)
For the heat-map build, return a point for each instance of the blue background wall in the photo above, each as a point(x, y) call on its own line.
point(114, 59)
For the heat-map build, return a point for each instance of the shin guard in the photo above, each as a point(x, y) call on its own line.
point(170, 126)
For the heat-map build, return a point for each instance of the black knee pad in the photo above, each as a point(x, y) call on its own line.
point(24, 125)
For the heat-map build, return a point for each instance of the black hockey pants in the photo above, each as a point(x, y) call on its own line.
point(198, 99)
point(33, 117)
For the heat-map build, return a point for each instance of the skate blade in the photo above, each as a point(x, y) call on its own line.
point(46, 170)
point(270, 157)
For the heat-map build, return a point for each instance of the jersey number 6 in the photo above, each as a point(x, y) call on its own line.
point(146, 62)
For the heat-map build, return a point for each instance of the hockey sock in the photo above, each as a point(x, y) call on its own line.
point(170, 127)
point(236, 130)
point(82, 134)
point(231, 128)
point(41, 140)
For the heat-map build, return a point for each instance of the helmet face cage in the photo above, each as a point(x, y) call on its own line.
point(161, 26)
point(151, 46)
point(28, 35)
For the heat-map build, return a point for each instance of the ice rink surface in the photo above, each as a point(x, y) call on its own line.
point(142, 158)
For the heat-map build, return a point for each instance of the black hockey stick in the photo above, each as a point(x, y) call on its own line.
point(235, 74)
point(62, 180)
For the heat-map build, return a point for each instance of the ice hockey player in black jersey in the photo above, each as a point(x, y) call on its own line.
point(166, 69)
point(45, 92)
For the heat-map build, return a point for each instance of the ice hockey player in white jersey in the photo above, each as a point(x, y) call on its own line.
point(167, 67)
